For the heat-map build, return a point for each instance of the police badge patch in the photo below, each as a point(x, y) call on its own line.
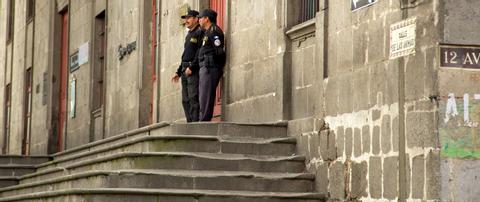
point(193, 40)
point(217, 42)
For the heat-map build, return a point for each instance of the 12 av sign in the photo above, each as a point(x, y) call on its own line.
point(460, 56)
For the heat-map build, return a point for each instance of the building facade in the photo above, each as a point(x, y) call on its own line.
point(382, 95)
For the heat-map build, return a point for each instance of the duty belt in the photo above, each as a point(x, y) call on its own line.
point(186, 64)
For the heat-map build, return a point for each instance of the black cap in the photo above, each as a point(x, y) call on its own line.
point(190, 13)
point(211, 14)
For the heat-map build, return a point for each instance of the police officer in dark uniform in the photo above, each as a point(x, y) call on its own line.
point(188, 69)
point(212, 59)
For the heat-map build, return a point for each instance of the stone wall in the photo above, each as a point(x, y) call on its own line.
point(18, 73)
point(172, 37)
point(42, 75)
point(356, 142)
point(81, 28)
point(36, 45)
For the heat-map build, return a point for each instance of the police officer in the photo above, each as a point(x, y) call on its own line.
point(212, 59)
point(188, 69)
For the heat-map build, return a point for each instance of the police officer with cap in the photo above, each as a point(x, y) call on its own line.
point(188, 69)
point(212, 59)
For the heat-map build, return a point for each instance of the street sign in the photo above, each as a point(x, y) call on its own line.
point(358, 4)
point(402, 38)
point(460, 56)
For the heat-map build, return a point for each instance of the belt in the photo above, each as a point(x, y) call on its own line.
point(186, 64)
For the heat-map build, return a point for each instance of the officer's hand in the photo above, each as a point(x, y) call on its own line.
point(188, 72)
point(175, 78)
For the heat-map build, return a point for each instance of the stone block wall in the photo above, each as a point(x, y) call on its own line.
point(370, 119)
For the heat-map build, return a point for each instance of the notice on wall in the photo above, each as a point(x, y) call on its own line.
point(402, 38)
point(456, 56)
point(73, 97)
point(74, 61)
point(83, 54)
point(359, 4)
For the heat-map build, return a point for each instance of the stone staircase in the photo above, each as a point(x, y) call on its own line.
point(179, 162)
point(11, 167)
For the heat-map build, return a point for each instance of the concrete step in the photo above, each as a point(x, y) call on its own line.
point(170, 195)
point(171, 179)
point(16, 170)
point(23, 160)
point(275, 130)
point(223, 130)
point(8, 181)
point(175, 160)
point(183, 143)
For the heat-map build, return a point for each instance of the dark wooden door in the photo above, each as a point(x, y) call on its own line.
point(219, 7)
point(98, 98)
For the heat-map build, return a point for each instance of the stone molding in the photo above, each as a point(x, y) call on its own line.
point(303, 30)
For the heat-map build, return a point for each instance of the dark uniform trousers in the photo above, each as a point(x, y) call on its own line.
point(209, 78)
point(190, 97)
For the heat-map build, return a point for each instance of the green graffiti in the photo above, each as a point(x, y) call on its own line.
point(458, 138)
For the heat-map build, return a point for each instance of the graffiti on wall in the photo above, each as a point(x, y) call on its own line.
point(459, 130)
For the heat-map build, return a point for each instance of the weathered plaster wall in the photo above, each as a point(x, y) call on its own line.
point(256, 73)
point(18, 74)
point(124, 79)
point(81, 28)
point(172, 37)
point(459, 127)
point(3, 49)
point(42, 53)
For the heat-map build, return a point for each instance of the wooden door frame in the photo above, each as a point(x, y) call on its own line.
point(62, 121)
point(55, 144)
point(222, 84)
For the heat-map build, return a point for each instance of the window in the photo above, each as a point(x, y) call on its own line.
point(308, 9)
point(11, 13)
point(30, 9)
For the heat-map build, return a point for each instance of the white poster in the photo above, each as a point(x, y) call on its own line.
point(83, 54)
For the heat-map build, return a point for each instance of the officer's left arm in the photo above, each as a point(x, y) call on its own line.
point(219, 44)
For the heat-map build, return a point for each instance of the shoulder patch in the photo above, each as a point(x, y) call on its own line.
point(217, 42)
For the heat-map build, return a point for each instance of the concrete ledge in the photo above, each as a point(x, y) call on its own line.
point(287, 140)
point(17, 159)
point(152, 128)
point(176, 173)
point(229, 157)
point(174, 192)
point(113, 138)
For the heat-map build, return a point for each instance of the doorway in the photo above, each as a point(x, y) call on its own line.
point(219, 7)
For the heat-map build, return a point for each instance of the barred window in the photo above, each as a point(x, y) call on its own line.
point(308, 9)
